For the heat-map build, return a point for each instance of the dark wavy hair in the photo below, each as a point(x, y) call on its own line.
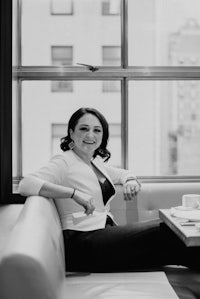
point(102, 150)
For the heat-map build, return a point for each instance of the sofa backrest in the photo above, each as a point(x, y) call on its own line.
point(32, 263)
point(153, 196)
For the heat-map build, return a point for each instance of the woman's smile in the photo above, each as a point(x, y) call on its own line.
point(88, 141)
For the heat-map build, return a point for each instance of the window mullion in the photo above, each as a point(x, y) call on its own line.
point(124, 83)
point(124, 33)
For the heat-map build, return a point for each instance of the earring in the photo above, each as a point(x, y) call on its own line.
point(71, 145)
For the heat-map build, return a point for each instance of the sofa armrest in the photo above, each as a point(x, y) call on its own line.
point(32, 263)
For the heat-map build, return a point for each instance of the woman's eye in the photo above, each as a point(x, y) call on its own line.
point(83, 129)
point(97, 130)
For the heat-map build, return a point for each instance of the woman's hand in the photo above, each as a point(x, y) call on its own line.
point(131, 189)
point(85, 201)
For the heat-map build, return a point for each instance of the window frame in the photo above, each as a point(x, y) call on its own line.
point(6, 195)
point(124, 73)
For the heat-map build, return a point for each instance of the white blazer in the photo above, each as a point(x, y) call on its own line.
point(69, 170)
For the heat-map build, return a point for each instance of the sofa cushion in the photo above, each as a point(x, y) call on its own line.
point(144, 285)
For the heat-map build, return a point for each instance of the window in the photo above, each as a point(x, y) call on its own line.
point(110, 7)
point(62, 56)
point(37, 99)
point(147, 82)
point(111, 57)
point(86, 31)
point(167, 130)
point(61, 7)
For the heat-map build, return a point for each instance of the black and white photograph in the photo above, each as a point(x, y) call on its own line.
point(100, 149)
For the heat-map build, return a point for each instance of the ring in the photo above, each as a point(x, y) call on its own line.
point(132, 189)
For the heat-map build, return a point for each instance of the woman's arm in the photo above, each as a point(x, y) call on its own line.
point(31, 185)
point(51, 190)
point(56, 191)
point(48, 182)
point(131, 185)
point(119, 175)
point(53, 172)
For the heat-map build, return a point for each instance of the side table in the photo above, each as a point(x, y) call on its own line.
point(188, 234)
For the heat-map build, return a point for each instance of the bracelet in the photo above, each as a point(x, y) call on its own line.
point(131, 179)
point(73, 193)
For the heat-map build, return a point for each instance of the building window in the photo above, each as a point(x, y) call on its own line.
point(111, 57)
point(110, 7)
point(61, 7)
point(62, 86)
point(62, 56)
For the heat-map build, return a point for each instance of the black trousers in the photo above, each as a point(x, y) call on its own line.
point(134, 247)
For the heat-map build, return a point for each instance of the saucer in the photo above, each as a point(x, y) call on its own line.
point(190, 215)
point(182, 208)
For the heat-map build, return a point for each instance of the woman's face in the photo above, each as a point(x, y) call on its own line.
point(87, 135)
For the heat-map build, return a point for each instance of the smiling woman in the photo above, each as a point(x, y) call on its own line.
point(87, 126)
point(69, 175)
point(87, 136)
point(82, 185)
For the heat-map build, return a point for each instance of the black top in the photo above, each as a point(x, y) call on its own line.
point(107, 190)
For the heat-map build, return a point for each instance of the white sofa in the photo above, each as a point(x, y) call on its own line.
point(32, 263)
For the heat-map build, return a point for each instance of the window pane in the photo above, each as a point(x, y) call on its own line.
point(62, 55)
point(86, 31)
point(111, 55)
point(61, 7)
point(111, 7)
point(164, 32)
point(16, 136)
point(45, 116)
point(164, 127)
point(61, 86)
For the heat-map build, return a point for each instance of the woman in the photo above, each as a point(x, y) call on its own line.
point(82, 185)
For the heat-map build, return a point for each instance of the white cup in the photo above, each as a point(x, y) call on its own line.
point(191, 200)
